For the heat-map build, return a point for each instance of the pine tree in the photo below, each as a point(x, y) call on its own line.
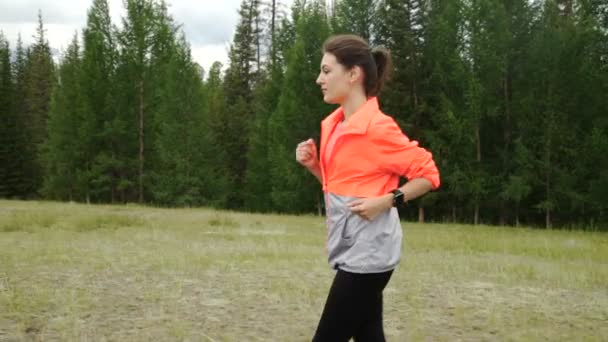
point(240, 81)
point(299, 113)
point(513, 181)
point(63, 151)
point(485, 56)
point(273, 14)
point(8, 124)
point(265, 100)
point(545, 125)
point(214, 107)
point(579, 85)
point(401, 26)
point(257, 194)
point(518, 186)
point(137, 39)
point(99, 174)
point(592, 202)
point(38, 88)
point(445, 97)
point(23, 157)
point(354, 16)
point(185, 172)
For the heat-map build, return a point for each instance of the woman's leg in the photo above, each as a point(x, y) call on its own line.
point(339, 320)
point(354, 305)
point(372, 329)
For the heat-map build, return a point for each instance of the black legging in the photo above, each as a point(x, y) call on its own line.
point(353, 308)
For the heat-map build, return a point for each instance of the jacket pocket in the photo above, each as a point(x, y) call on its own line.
point(353, 226)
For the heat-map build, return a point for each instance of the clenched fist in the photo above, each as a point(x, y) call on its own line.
point(306, 154)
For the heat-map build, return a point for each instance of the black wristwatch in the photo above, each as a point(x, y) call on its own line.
point(398, 199)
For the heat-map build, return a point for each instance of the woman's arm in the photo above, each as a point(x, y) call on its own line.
point(405, 158)
point(368, 208)
point(306, 154)
point(414, 189)
point(316, 171)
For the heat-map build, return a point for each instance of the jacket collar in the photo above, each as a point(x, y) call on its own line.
point(358, 122)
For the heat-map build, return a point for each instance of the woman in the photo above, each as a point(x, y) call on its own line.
point(363, 154)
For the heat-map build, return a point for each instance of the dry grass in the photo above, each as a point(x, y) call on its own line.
point(72, 272)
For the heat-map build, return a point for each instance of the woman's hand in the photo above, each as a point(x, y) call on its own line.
point(369, 208)
point(306, 154)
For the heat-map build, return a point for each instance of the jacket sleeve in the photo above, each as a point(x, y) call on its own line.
point(403, 156)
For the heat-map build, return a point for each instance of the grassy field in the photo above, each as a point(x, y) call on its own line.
point(71, 272)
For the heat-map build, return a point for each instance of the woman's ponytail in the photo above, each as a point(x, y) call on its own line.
point(382, 57)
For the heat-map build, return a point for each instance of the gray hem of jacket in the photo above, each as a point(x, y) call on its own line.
point(357, 245)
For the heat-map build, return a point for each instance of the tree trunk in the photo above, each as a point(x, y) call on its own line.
point(548, 180)
point(319, 209)
point(272, 33)
point(141, 141)
point(88, 186)
point(420, 214)
point(507, 134)
point(548, 209)
point(257, 43)
point(507, 99)
point(114, 176)
point(478, 143)
point(548, 197)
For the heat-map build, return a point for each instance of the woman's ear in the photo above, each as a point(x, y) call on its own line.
point(355, 74)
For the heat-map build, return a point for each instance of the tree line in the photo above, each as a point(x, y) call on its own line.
point(510, 96)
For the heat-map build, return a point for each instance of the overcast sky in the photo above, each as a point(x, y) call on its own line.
point(209, 24)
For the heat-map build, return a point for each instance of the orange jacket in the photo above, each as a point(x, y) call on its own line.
point(371, 154)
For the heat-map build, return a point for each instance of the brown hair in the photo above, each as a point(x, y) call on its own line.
point(351, 50)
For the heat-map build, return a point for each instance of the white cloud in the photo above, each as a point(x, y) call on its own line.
point(26, 11)
point(58, 35)
point(206, 25)
point(206, 55)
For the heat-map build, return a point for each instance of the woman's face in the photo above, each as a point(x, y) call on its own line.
point(335, 80)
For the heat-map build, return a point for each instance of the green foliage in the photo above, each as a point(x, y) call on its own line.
point(11, 141)
point(38, 82)
point(509, 96)
point(354, 16)
point(242, 76)
point(99, 135)
point(63, 158)
point(184, 174)
point(400, 28)
point(257, 194)
point(298, 115)
point(212, 95)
